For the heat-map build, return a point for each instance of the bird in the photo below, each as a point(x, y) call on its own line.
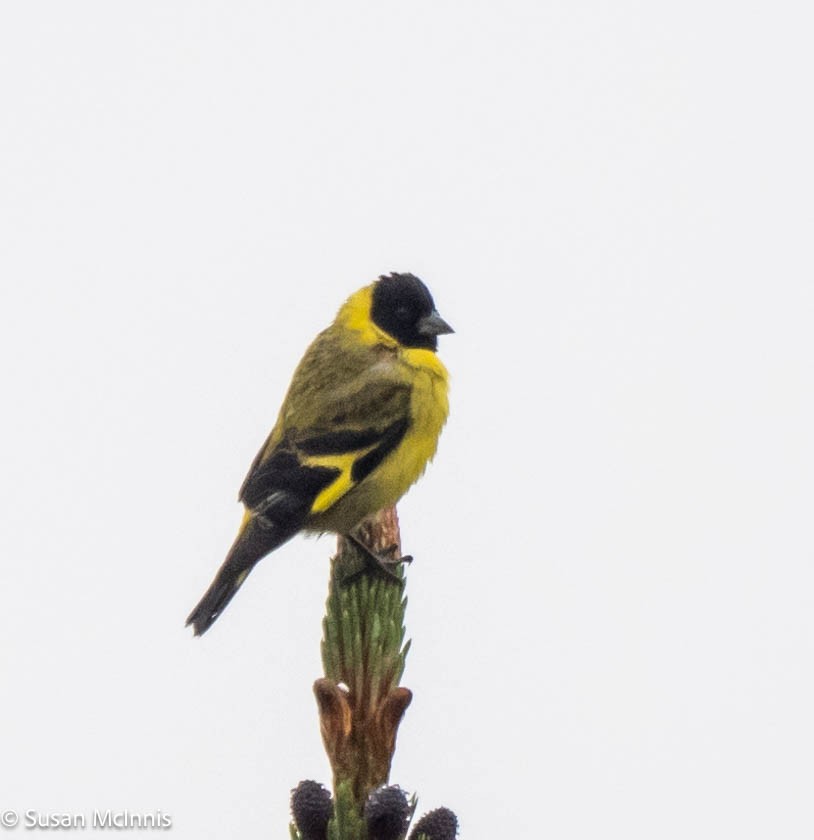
point(357, 427)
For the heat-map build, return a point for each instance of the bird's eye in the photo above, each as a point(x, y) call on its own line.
point(402, 313)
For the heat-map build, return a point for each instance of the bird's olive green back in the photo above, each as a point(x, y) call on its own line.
point(339, 386)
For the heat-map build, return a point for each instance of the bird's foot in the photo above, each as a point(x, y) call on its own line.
point(379, 564)
point(390, 553)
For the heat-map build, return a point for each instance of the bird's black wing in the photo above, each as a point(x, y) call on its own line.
point(307, 474)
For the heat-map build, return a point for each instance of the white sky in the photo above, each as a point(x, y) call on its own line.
point(612, 604)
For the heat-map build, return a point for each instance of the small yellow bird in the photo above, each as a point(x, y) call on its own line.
point(358, 425)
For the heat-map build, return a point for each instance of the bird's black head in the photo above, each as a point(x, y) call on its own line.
point(403, 307)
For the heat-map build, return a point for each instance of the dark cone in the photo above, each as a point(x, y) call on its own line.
point(387, 813)
point(440, 824)
point(311, 808)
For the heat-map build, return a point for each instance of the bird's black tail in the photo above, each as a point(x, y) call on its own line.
point(254, 542)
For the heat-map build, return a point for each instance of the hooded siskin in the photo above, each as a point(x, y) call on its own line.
point(356, 429)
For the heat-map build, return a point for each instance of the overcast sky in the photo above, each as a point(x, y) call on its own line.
point(612, 599)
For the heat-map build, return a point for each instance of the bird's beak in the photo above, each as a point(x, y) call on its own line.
point(433, 324)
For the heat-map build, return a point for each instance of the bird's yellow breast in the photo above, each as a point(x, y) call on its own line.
point(429, 407)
